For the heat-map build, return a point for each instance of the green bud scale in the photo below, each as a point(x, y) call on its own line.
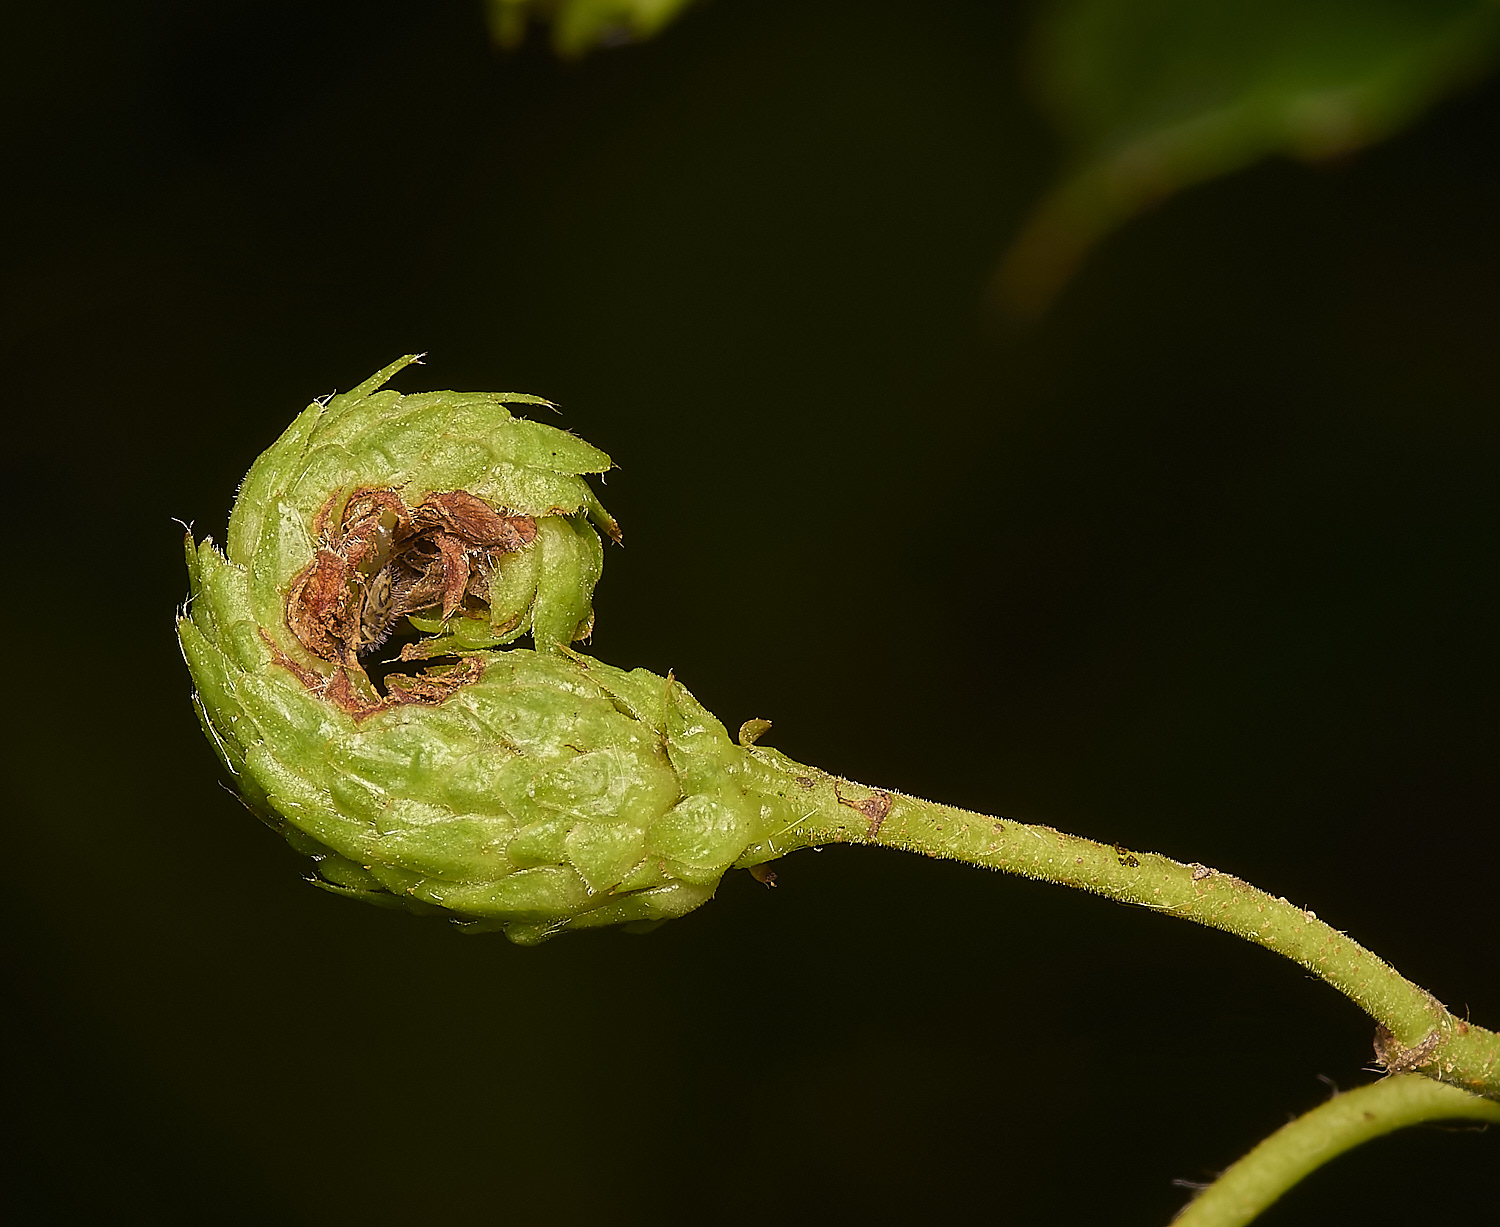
point(528, 790)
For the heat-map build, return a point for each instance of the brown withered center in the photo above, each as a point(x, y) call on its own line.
point(381, 561)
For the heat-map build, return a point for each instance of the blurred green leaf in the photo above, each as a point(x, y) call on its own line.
point(1154, 95)
point(578, 26)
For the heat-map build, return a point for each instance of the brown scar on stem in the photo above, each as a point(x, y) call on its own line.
point(875, 807)
point(1398, 1059)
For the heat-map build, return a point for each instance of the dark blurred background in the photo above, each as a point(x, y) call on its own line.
point(1203, 562)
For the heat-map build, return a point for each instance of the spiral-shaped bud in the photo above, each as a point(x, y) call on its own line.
point(528, 790)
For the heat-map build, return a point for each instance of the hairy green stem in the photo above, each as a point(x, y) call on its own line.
point(1416, 1033)
point(1304, 1145)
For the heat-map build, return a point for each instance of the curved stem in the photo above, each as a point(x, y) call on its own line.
point(1310, 1141)
point(1416, 1033)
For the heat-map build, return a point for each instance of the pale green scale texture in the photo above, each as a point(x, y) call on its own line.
point(555, 791)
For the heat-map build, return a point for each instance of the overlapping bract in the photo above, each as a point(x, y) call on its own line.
point(430, 442)
point(530, 791)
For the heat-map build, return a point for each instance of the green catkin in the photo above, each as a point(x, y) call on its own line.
point(526, 790)
point(536, 790)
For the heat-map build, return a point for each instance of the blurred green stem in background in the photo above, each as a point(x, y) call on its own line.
point(578, 26)
point(1152, 96)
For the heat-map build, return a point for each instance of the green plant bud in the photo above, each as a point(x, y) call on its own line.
point(525, 790)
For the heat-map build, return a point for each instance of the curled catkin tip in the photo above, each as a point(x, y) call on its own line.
point(352, 652)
